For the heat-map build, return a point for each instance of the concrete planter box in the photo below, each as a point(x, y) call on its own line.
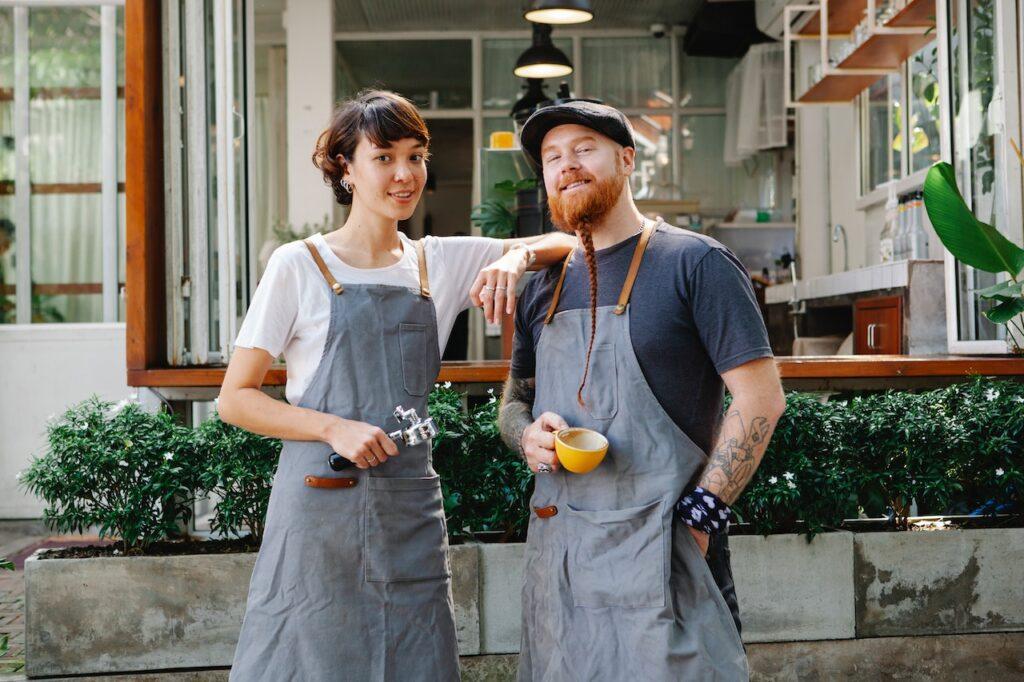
point(940, 582)
point(158, 613)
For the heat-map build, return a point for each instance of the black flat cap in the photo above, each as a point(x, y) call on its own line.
point(606, 120)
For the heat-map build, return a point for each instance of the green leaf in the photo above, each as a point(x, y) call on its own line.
point(1007, 289)
point(1005, 311)
point(971, 241)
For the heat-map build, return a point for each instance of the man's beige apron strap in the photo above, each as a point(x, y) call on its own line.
point(421, 256)
point(333, 283)
point(634, 267)
point(558, 289)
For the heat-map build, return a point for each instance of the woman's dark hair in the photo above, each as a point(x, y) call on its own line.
point(383, 117)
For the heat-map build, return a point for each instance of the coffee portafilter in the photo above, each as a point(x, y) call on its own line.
point(415, 430)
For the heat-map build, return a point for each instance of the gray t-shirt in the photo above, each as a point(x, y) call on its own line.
point(692, 317)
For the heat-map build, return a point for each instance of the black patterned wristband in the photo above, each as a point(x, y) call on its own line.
point(704, 511)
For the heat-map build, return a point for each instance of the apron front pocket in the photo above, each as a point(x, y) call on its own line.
point(413, 340)
point(405, 536)
point(617, 558)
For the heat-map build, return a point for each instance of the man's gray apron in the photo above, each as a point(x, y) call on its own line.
point(614, 589)
point(352, 580)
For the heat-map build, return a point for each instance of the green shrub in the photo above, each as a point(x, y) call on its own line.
point(486, 486)
point(238, 467)
point(129, 472)
point(5, 565)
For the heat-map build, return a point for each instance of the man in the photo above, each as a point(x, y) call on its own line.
point(634, 339)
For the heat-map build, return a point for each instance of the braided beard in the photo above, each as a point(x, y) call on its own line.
point(576, 214)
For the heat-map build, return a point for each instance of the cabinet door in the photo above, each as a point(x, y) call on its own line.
point(878, 326)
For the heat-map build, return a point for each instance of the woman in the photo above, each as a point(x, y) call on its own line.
point(352, 580)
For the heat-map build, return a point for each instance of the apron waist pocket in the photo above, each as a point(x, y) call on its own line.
point(617, 558)
point(406, 537)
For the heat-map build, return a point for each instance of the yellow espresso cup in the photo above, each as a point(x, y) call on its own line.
point(580, 450)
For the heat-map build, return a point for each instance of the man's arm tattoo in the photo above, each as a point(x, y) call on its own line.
point(736, 456)
point(516, 412)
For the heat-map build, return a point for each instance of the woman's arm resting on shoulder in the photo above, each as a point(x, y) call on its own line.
point(243, 404)
point(495, 286)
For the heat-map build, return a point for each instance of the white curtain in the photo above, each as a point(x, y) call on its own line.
point(755, 109)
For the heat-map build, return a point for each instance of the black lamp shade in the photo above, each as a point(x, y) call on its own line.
point(559, 11)
point(542, 59)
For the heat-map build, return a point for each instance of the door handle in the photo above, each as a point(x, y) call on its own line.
point(873, 335)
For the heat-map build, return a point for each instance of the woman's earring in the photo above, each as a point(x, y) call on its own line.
point(347, 186)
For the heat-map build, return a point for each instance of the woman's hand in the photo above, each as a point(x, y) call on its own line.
point(365, 445)
point(495, 286)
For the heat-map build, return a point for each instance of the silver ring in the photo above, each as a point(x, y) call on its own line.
point(489, 288)
point(543, 468)
point(501, 288)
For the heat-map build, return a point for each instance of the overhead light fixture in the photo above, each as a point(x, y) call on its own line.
point(559, 11)
point(542, 59)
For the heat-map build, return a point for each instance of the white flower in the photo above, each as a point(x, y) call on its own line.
point(491, 391)
point(788, 476)
point(492, 400)
point(437, 385)
point(447, 384)
point(790, 484)
point(773, 480)
point(991, 394)
point(168, 456)
point(999, 472)
point(1018, 398)
point(123, 463)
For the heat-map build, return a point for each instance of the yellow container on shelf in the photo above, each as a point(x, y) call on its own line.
point(503, 139)
point(580, 450)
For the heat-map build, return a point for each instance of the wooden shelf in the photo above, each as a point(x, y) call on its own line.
point(837, 89)
point(886, 51)
point(843, 16)
point(919, 13)
point(790, 368)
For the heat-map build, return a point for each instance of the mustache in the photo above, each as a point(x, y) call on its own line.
point(569, 179)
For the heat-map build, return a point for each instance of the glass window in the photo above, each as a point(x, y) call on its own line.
point(652, 178)
point(65, 153)
point(501, 87)
point(973, 50)
point(435, 74)
point(924, 108)
point(703, 80)
point(628, 72)
point(706, 178)
point(270, 148)
point(7, 309)
point(882, 124)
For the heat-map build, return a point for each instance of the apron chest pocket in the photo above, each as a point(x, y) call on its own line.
point(406, 538)
point(617, 558)
point(413, 340)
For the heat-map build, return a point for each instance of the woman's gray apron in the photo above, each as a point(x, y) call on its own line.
point(352, 580)
point(613, 588)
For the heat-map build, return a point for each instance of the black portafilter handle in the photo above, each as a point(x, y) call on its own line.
point(339, 463)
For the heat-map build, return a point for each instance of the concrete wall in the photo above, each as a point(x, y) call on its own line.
point(46, 368)
point(185, 612)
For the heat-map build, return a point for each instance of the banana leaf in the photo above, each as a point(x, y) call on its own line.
point(971, 241)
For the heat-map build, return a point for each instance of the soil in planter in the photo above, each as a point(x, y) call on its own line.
point(164, 548)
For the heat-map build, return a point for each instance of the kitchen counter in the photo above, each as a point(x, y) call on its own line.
point(895, 275)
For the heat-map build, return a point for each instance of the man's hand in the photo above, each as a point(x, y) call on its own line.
point(702, 540)
point(539, 441)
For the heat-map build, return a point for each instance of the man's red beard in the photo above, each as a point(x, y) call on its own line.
point(581, 208)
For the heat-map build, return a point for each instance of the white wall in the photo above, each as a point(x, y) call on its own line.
point(45, 368)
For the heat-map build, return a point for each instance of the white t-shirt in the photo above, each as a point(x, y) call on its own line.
point(291, 308)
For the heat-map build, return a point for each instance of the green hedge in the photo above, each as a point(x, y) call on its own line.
point(955, 450)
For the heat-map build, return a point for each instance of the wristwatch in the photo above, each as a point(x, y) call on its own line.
point(531, 255)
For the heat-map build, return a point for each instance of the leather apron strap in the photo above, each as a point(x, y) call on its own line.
point(421, 256)
point(627, 286)
point(331, 282)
